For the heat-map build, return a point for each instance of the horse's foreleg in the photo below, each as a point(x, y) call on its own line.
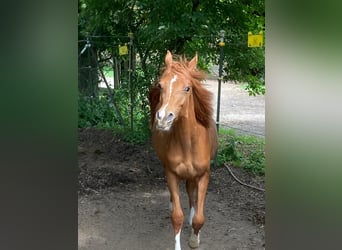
point(176, 213)
point(198, 219)
point(190, 189)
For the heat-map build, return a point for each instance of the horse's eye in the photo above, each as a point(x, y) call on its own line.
point(187, 89)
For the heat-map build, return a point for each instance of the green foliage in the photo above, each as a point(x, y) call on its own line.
point(254, 86)
point(184, 27)
point(96, 112)
point(108, 71)
point(241, 151)
point(139, 135)
point(99, 112)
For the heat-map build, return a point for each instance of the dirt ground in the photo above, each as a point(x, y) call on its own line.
point(124, 203)
point(123, 199)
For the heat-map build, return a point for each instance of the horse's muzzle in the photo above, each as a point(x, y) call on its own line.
point(164, 122)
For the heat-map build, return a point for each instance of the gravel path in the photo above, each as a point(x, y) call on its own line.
point(239, 110)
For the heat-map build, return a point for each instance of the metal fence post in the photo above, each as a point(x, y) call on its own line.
point(130, 75)
point(221, 44)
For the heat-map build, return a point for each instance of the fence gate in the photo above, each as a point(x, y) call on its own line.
point(107, 62)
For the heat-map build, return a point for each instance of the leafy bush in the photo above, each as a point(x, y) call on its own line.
point(241, 151)
point(96, 112)
point(99, 111)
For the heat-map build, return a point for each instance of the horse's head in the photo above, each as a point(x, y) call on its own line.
point(175, 88)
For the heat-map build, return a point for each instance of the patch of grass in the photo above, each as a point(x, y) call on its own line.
point(244, 151)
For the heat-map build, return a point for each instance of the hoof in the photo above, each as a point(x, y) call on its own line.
point(194, 240)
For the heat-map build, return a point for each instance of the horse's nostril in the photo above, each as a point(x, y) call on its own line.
point(170, 117)
point(161, 116)
point(158, 116)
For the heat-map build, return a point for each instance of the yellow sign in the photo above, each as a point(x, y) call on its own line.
point(255, 40)
point(123, 50)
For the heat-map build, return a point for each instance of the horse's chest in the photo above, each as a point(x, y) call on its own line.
point(182, 156)
point(173, 155)
point(186, 170)
point(184, 164)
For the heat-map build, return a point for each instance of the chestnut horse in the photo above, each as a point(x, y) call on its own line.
point(184, 137)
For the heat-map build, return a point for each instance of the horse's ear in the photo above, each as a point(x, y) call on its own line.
point(168, 59)
point(193, 62)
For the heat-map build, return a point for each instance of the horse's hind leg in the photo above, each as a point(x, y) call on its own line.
point(191, 189)
point(198, 219)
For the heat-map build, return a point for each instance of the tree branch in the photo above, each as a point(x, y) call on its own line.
point(242, 183)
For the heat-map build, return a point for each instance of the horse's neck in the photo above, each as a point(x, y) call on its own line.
point(186, 125)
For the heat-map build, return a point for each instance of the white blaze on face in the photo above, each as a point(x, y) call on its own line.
point(174, 78)
point(162, 111)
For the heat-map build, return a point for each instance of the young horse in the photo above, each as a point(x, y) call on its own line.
point(184, 137)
